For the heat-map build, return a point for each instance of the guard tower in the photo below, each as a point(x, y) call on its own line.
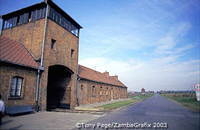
point(52, 38)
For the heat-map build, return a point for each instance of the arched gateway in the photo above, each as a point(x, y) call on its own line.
point(59, 78)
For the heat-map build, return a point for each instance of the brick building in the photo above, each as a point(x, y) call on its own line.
point(39, 61)
point(94, 86)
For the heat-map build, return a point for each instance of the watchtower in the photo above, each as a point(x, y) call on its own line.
point(52, 38)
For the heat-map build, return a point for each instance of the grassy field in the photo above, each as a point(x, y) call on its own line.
point(187, 100)
point(132, 100)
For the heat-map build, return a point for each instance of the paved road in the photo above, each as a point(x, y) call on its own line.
point(155, 109)
point(46, 121)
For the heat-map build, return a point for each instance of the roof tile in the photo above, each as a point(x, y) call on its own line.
point(14, 52)
point(93, 75)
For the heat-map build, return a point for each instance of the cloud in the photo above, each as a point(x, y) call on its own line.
point(164, 71)
point(147, 46)
point(157, 74)
point(168, 43)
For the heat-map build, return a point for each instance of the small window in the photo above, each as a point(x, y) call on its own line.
point(93, 90)
point(72, 52)
point(81, 87)
point(53, 42)
point(16, 86)
point(100, 92)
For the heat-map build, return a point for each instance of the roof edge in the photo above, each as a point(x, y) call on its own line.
point(51, 3)
point(101, 82)
point(40, 4)
point(22, 9)
point(21, 65)
point(100, 73)
point(90, 69)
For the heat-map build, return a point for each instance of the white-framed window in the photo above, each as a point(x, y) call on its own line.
point(16, 86)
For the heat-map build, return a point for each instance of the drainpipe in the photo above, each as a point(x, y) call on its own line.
point(77, 77)
point(41, 62)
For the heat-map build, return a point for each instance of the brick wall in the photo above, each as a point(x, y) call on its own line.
point(28, 85)
point(93, 92)
point(31, 35)
point(60, 55)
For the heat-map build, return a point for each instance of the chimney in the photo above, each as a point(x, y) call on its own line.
point(106, 73)
point(115, 77)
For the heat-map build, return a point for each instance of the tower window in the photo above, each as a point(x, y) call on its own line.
point(72, 52)
point(53, 42)
point(81, 87)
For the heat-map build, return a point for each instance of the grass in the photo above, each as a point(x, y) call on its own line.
point(142, 97)
point(132, 100)
point(187, 101)
point(117, 104)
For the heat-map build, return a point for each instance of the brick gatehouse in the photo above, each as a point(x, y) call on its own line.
point(39, 48)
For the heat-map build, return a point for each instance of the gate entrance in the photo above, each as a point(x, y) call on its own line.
point(58, 81)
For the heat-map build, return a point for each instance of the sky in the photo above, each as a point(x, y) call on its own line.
point(151, 44)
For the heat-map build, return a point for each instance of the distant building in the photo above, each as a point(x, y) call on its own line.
point(39, 48)
point(142, 90)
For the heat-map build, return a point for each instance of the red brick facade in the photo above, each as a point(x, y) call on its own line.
point(94, 86)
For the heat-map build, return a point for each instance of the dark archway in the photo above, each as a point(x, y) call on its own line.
point(58, 80)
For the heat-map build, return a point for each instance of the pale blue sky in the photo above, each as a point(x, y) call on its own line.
point(149, 43)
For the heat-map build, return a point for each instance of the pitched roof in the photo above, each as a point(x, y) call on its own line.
point(15, 53)
point(90, 74)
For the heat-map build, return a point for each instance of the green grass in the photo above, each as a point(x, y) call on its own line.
point(187, 101)
point(117, 104)
point(141, 97)
point(132, 100)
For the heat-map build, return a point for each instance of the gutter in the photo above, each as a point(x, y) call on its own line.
point(21, 65)
point(39, 72)
point(77, 77)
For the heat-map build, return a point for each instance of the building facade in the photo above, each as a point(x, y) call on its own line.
point(94, 86)
point(18, 72)
point(50, 37)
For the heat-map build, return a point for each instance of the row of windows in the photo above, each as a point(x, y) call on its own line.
point(62, 21)
point(16, 87)
point(93, 88)
point(12, 22)
point(24, 18)
point(101, 92)
point(38, 14)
